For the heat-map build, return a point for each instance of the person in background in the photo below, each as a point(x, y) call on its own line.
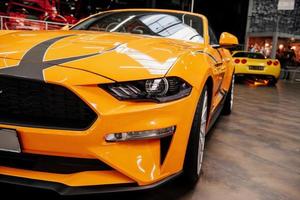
point(288, 59)
point(254, 48)
point(268, 52)
point(290, 56)
point(281, 57)
point(263, 51)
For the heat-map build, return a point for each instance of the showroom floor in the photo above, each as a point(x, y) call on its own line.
point(252, 154)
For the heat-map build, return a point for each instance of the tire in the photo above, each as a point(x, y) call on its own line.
point(228, 104)
point(195, 148)
point(272, 82)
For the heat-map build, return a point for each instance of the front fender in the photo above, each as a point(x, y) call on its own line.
point(195, 68)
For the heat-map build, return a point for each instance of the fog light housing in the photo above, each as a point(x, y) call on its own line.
point(140, 135)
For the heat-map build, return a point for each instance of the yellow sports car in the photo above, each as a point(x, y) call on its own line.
point(122, 101)
point(257, 66)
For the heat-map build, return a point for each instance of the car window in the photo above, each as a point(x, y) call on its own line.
point(212, 37)
point(163, 24)
point(249, 55)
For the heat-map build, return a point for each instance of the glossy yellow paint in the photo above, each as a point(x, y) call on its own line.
point(269, 69)
point(134, 161)
point(227, 39)
point(3, 32)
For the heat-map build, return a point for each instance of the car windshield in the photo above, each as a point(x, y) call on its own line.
point(163, 24)
point(249, 55)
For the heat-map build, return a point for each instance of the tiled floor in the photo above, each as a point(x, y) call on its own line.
point(252, 154)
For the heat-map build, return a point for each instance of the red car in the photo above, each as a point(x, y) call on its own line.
point(24, 12)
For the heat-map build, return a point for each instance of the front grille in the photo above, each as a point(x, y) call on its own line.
point(51, 164)
point(38, 104)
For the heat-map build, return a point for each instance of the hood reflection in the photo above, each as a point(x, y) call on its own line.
point(146, 61)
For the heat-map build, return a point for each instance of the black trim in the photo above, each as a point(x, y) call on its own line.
point(51, 164)
point(212, 57)
point(164, 147)
point(81, 190)
point(37, 104)
point(217, 112)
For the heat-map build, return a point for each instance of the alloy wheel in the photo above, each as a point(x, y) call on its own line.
point(202, 133)
point(232, 91)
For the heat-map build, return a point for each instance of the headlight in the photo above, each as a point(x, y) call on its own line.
point(158, 90)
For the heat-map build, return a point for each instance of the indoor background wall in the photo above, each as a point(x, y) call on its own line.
point(264, 16)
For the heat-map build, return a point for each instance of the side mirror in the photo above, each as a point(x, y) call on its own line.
point(228, 40)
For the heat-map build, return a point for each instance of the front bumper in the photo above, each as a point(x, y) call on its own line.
point(138, 162)
point(80, 190)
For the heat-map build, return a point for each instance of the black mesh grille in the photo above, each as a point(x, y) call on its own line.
point(51, 164)
point(37, 104)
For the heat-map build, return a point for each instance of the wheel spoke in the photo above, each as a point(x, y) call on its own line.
point(232, 93)
point(202, 132)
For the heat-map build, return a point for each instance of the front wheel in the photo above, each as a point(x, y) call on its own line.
point(195, 148)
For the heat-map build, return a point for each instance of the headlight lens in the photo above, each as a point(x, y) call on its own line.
point(158, 90)
point(157, 87)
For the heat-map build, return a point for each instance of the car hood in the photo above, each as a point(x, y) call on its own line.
point(116, 56)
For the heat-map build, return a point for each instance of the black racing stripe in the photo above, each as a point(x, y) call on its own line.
point(65, 60)
point(212, 57)
point(32, 64)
